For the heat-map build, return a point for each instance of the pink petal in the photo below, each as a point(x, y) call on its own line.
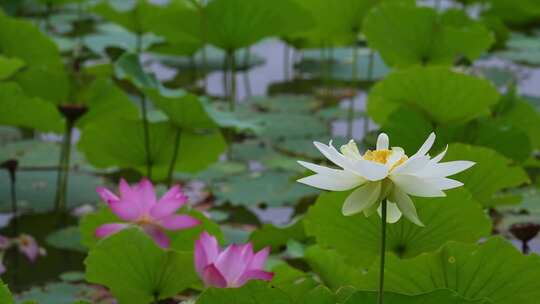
point(231, 262)
point(29, 247)
point(106, 195)
point(254, 275)
point(213, 277)
point(259, 259)
point(178, 222)
point(4, 243)
point(124, 187)
point(108, 229)
point(206, 252)
point(169, 203)
point(145, 195)
point(158, 235)
point(126, 210)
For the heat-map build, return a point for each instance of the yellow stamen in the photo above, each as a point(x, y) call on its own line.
point(378, 156)
point(382, 156)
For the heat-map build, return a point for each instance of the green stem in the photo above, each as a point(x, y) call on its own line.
point(225, 78)
point(146, 131)
point(232, 80)
point(286, 62)
point(369, 78)
point(247, 84)
point(203, 51)
point(354, 77)
point(174, 157)
point(382, 251)
point(63, 172)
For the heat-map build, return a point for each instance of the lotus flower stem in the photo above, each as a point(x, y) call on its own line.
point(383, 251)
point(232, 80)
point(11, 166)
point(146, 137)
point(286, 62)
point(225, 79)
point(174, 157)
point(354, 76)
point(369, 78)
point(63, 172)
point(247, 84)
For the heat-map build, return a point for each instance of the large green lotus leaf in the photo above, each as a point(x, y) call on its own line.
point(406, 35)
point(494, 270)
point(521, 48)
point(277, 237)
point(21, 110)
point(136, 270)
point(525, 117)
point(278, 126)
point(68, 238)
point(36, 153)
point(180, 240)
point(44, 75)
point(491, 173)
point(455, 217)
point(273, 188)
point(503, 138)
point(127, 13)
point(179, 23)
point(105, 100)
point(341, 66)
point(54, 293)
point(332, 268)
point(128, 67)
point(336, 21)
point(5, 295)
point(293, 282)
point(442, 296)
point(120, 143)
point(514, 13)
point(442, 95)
point(36, 190)
point(9, 66)
point(408, 128)
point(237, 23)
point(184, 110)
point(212, 60)
point(254, 292)
point(319, 295)
point(110, 35)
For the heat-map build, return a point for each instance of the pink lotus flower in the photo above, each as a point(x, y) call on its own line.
point(232, 267)
point(29, 247)
point(138, 205)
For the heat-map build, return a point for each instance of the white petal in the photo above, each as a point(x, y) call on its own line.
point(361, 198)
point(333, 155)
point(426, 146)
point(370, 170)
point(449, 168)
point(350, 150)
point(444, 183)
point(440, 156)
point(416, 186)
point(413, 165)
point(392, 212)
point(327, 182)
point(406, 205)
point(337, 173)
point(397, 154)
point(383, 142)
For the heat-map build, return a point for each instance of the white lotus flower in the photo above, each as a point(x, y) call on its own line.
point(384, 174)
